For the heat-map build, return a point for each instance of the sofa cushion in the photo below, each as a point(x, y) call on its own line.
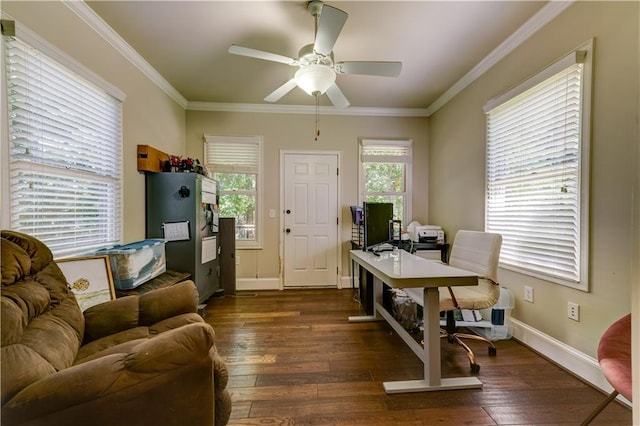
point(96, 352)
point(151, 309)
point(90, 350)
point(118, 342)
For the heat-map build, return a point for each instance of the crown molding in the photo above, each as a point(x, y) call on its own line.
point(96, 23)
point(38, 42)
point(306, 109)
point(545, 15)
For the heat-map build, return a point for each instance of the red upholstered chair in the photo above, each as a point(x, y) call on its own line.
point(614, 356)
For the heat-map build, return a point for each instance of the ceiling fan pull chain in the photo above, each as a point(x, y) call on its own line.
point(317, 116)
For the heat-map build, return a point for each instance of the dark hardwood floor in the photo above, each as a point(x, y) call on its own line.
point(294, 359)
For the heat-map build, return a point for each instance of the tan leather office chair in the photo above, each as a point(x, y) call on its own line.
point(478, 252)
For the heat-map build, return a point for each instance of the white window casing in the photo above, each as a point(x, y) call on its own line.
point(62, 149)
point(388, 151)
point(238, 155)
point(538, 171)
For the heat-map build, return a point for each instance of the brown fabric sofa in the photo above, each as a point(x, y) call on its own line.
point(137, 360)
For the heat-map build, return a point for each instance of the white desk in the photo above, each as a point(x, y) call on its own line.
point(404, 270)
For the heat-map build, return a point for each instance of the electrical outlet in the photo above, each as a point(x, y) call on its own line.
point(528, 294)
point(573, 311)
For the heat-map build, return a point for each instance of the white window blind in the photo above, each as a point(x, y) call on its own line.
point(65, 154)
point(534, 180)
point(386, 174)
point(379, 151)
point(236, 162)
point(232, 154)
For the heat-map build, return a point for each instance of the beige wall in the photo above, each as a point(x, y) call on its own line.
point(457, 152)
point(450, 171)
point(150, 117)
point(296, 132)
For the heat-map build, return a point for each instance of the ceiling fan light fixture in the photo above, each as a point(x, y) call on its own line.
point(315, 79)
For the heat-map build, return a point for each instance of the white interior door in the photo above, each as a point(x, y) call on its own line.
point(310, 220)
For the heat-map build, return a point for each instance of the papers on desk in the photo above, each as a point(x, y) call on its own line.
point(382, 247)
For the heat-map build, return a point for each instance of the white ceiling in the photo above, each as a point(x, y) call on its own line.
point(438, 42)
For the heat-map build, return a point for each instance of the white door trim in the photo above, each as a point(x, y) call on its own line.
point(338, 155)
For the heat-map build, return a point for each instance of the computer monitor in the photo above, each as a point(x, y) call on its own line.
point(376, 224)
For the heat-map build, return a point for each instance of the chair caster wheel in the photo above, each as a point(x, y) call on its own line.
point(475, 368)
point(492, 351)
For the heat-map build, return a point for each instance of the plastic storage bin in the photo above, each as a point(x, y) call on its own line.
point(500, 317)
point(135, 263)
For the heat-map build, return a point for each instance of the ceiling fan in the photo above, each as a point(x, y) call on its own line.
point(317, 70)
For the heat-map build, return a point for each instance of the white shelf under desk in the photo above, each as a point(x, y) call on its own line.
point(401, 269)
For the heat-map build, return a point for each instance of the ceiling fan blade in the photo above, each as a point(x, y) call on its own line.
point(330, 24)
point(281, 91)
point(260, 54)
point(385, 69)
point(336, 96)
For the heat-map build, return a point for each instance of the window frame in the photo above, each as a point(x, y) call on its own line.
point(75, 69)
point(407, 195)
point(249, 140)
point(584, 55)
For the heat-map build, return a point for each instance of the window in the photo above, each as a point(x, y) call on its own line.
point(236, 162)
point(537, 172)
point(385, 174)
point(64, 146)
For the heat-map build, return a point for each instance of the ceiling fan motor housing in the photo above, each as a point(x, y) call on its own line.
point(308, 56)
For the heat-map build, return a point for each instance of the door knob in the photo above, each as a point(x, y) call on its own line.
point(288, 211)
point(288, 230)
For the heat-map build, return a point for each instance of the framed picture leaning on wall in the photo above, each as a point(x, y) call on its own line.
point(89, 277)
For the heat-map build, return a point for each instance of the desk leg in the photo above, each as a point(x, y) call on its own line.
point(431, 336)
point(377, 299)
point(431, 357)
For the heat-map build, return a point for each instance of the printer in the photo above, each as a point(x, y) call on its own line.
point(432, 234)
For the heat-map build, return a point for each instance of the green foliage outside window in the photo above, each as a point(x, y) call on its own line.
point(381, 179)
point(238, 199)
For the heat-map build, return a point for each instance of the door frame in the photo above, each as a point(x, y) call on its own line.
point(337, 154)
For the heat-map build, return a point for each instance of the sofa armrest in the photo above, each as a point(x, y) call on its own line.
point(133, 311)
point(163, 303)
point(164, 352)
point(153, 381)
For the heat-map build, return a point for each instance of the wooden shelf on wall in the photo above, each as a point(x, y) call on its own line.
point(151, 159)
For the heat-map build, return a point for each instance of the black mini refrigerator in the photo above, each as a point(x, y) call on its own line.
point(182, 208)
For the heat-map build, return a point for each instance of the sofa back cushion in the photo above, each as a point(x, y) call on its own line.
point(42, 325)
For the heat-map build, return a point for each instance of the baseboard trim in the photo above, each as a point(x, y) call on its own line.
point(345, 282)
point(567, 357)
point(243, 284)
